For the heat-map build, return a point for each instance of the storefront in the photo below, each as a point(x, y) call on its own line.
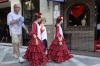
point(32, 6)
point(79, 20)
point(28, 8)
point(5, 8)
point(79, 24)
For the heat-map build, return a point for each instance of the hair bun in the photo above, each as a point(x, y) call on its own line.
point(40, 15)
point(60, 17)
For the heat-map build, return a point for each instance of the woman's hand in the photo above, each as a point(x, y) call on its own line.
point(27, 31)
point(36, 42)
point(60, 43)
point(35, 39)
point(42, 29)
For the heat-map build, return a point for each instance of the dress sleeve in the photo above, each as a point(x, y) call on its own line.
point(34, 29)
point(57, 32)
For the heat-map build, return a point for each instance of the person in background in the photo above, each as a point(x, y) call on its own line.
point(58, 50)
point(5, 32)
point(13, 19)
point(44, 33)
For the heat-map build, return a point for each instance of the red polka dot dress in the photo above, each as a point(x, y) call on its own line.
point(56, 52)
point(35, 53)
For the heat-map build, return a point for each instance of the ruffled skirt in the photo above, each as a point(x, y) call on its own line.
point(58, 53)
point(35, 53)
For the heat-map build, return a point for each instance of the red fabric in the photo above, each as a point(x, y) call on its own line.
point(34, 29)
point(56, 52)
point(77, 10)
point(2, 1)
point(35, 53)
point(57, 32)
point(60, 17)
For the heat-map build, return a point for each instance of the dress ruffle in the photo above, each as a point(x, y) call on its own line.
point(58, 53)
point(35, 53)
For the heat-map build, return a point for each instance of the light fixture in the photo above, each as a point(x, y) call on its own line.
point(28, 5)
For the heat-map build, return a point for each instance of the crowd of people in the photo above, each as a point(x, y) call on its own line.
point(37, 46)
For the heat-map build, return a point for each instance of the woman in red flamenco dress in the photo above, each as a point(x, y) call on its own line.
point(35, 51)
point(58, 50)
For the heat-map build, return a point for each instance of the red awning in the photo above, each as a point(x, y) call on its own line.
point(2, 1)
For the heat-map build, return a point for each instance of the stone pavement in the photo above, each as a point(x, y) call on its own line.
point(78, 60)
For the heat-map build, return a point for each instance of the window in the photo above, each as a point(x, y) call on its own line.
point(78, 15)
point(29, 7)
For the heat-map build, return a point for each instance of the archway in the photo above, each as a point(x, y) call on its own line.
point(78, 15)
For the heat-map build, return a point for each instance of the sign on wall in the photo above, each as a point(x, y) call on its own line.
point(56, 14)
point(2, 1)
point(56, 11)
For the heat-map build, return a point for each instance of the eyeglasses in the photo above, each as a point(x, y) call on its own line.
point(16, 7)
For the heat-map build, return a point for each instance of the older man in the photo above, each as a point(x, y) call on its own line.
point(16, 30)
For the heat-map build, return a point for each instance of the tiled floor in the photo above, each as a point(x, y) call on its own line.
point(78, 60)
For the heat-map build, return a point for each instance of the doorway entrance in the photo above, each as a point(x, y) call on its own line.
point(5, 8)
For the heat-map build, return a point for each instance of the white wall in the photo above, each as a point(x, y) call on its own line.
point(47, 13)
point(15, 2)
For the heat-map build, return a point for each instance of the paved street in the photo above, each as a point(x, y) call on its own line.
point(78, 60)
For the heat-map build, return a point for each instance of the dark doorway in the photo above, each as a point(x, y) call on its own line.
point(3, 20)
point(29, 7)
point(97, 19)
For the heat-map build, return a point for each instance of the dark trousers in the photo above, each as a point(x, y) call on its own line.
point(98, 34)
point(45, 43)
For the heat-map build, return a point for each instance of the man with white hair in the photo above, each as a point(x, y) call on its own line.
point(13, 20)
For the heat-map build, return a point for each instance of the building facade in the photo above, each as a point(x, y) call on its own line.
point(82, 37)
point(78, 35)
point(28, 8)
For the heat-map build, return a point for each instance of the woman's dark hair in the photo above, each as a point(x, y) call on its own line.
point(35, 17)
point(57, 22)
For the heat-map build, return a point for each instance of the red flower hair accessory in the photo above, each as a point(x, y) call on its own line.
point(60, 17)
point(36, 14)
point(40, 15)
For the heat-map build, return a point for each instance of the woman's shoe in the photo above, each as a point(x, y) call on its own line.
point(21, 60)
point(14, 56)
